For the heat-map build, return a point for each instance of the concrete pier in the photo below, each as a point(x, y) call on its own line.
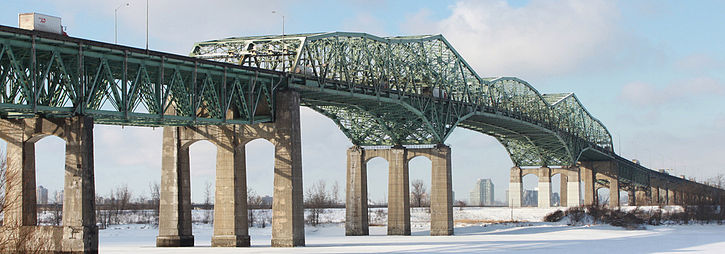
point(398, 189)
point(78, 233)
point(613, 192)
point(515, 187)
point(356, 202)
point(589, 188)
point(230, 214)
point(441, 191)
point(398, 193)
point(573, 188)
point(544, 185)
point(641, 196)
point(288, 222)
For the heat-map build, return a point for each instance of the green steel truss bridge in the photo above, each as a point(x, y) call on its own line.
point(390, 91)
point(415, 90)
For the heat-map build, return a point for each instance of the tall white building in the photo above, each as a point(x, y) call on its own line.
point(42, 195)
point(482, 193)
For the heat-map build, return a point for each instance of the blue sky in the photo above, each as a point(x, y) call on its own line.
point(651, 71)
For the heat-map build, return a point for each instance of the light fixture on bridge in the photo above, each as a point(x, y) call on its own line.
point(115, 21)
point(276, 12)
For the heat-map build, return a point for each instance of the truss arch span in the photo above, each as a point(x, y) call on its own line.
point(407, 90)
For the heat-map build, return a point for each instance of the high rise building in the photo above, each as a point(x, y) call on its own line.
point(482, 193)
point(42, 194)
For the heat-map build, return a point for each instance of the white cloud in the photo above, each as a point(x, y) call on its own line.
point(540, 38)
point(647, 95)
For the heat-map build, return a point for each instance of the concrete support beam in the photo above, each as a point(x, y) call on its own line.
point(288, 228)
point(670, 196)
point(563, 189)
point(80, 233)
point(613, 192)
point(398, 193)
point(230, 205)
point(641, 197)
point(441, 203)
point(544, 187)
point(515, 187)
point(631, 200)
point(573, 188)
point(589, 188)
point(356, 202)
point(654, 195)
point(175, 200)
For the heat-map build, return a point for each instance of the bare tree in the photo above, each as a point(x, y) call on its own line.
point(418, 194)
point(317, 199)
point(56, 209)
point(335, 198)
point(254, 202)
point(155, 198)
point(208, 213)
point(120, 199)
point(14, 239)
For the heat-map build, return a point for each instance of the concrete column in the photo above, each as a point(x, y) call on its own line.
point(641, 197)
point(544, 187)
point(356, 202)
point(230, 205)
point(175, 203)
point(613, 192)
point(589, 188)
point(398, 193)
point(515, 187)
point(563, 187)
point(288, 228)
point(20, 200)
point(655, 195)
point(573, 188)
point(631, 200)
point(441, 207)
point(80, 233)
point(670, 196)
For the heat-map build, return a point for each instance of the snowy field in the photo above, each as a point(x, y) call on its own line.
point(474, 233)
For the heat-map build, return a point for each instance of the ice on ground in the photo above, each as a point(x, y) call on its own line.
point(475, 236)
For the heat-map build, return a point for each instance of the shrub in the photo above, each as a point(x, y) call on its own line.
point(554, 216)
point(575, 214)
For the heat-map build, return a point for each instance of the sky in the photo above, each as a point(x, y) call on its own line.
point(651, 71)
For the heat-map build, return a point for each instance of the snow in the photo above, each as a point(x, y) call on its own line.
point(474, 233)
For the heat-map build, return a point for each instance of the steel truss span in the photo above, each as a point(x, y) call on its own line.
point(415, 90)
point(57, 76)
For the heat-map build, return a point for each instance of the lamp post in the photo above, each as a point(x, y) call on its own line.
point(282, 21)
point(115, 21)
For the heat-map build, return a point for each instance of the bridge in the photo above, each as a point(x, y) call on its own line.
point(395, 97)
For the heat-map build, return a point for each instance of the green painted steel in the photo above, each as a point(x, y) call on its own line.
point(57, 76)
point(415, 90)
point(380, 91)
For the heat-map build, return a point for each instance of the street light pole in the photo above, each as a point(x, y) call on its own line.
point(147, 25)
point(115, 21)
point(282, 21)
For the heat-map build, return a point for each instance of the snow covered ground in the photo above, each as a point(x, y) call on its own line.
point(473, 234)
